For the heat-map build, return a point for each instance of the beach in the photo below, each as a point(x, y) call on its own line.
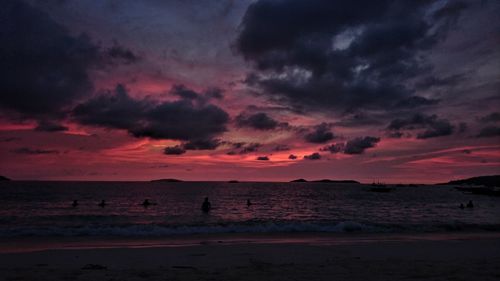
point(249, 140)
point(292, 231)
point(286, 256)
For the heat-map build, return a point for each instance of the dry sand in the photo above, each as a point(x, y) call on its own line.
point(256, 257)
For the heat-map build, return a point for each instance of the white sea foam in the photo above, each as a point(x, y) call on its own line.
point(159, 230)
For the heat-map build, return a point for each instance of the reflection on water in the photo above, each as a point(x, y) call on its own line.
point(31, 207)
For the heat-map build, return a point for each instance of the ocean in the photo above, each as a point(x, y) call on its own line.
point(37, 208)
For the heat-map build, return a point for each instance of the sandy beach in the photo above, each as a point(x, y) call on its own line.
point(255, 257)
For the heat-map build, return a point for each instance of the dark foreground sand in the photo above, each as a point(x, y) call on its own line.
point(256, 257)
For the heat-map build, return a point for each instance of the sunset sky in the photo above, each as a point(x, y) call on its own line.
point(392, 91)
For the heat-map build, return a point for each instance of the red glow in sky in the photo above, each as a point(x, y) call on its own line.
point(220, 91)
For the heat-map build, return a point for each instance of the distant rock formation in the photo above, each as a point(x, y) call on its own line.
point(299, 180)
point(2, 178)
point(233, 181)
point(327, 181)
point(483, 180)
point(167, 180)
point(336, 181)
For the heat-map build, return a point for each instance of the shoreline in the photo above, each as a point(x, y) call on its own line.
point(35, 244)
point(316, 256)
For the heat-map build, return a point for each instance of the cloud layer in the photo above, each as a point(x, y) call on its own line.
point(430, 126)
point(44, 67)
point(343, 55)
point(180, 120)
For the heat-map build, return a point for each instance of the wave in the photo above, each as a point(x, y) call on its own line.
point(164, 230)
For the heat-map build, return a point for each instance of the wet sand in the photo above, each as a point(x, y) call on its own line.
point(312, 256)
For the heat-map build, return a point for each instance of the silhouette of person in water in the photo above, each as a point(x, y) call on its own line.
point(206, 206)
point(102, 204)
point(249, 203)
point(461, 206)
point(470, 205)
point(75, 203)
point(146, 203)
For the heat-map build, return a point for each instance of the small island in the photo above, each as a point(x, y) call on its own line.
point(483, 180)
point(485, 185)
point(336, 181)
point(327, 181)
point(2, 178)
point(167, 180)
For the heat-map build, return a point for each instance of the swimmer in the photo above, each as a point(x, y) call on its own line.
point(102, 204)
point(206, 206)
point(470, 205)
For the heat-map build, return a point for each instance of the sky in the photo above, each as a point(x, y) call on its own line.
point(390, 91)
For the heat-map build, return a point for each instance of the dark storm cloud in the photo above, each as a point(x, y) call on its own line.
point(492, 117)
point(357, 119)
point(450, 9)
point(416, 101)
point(33, 151)
point(395, 134)
point(334, 148)
point(251, 147)
point(238, 145)
point(432, 81)
point(320, 134)
point(430, 125)
point(181, 119)
point(244, 148)
point(354, 146)
point(342, 54)
point(45, 68)
point(203, 97)
point(10, 139)
point(359, 145)
point(258, 121)
point(490, 131)
point(122, 54)
point(49, 126)
point(263, 158)
point(281, 147)
point(112, 110)
point(276, 108)
point(183, 92)
point(314, 156)
point(202, 144)
point(174, 150)
point(214, 93)
point(440, 129)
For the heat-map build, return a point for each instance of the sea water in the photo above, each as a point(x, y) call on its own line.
point(36, 208)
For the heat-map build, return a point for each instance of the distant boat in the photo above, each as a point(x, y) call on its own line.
point(233, 181)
